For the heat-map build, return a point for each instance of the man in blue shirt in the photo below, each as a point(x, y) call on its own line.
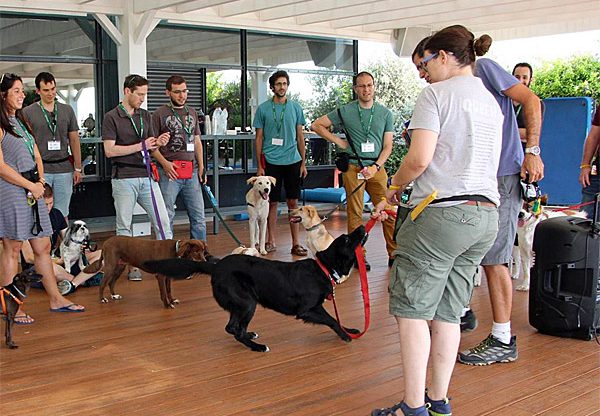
point(280, 150)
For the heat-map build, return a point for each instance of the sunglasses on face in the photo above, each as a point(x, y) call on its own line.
point(423, 63)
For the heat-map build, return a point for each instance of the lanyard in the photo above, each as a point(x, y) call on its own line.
point(140, 133)
point(366, 130)
point(27, 138)
point(51, 125)
point(188, 128)
point(278, 126)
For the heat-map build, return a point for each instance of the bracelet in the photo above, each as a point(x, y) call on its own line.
point(377, 165)
point(42, 181)
point(394, 188)
point(78, 170)
point(585, 165)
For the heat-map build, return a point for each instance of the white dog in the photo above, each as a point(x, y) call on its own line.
point(247, 251)
point(257, 200)
point(523, 256)
point(71, 247)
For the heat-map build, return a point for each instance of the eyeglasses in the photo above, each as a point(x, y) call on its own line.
point(180, 91)
point(423, 63)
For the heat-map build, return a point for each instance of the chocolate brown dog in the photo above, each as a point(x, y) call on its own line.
point(119, 251)
point(13, 296)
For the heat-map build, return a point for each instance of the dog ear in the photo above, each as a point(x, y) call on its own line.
point(251, 180)
point(183, 248)
point(272, 179)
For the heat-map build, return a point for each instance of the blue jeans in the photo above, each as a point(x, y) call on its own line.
point(588, 194)
point(62, 188)
point(126, 192)
point(191, 194)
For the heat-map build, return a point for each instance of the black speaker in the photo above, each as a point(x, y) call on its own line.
point(564, 295)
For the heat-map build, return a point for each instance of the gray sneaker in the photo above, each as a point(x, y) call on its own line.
point(490, 351)
point(135, 274)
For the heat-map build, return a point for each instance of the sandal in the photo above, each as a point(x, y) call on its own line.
point(24, 319)
point(298, 250)
point(270, 247)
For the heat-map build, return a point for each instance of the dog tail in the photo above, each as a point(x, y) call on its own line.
point(94, 267)
point(178, 268)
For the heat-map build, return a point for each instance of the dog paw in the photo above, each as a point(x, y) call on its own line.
point(11, 345)
point(263, 252)
point(104, 300)
point(116, 296)
point(260, 348)
point(175, 302)
point(523, 288)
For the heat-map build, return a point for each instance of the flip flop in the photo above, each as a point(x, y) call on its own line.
point(68, 308)
point(23, 319)
point(270, 248)
point(298, 250)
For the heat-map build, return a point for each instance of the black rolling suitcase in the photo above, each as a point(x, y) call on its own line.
point(564, 294)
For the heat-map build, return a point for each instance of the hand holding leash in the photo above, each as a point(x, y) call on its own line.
point(37, 191)
point(533, 166)
point(163, 139)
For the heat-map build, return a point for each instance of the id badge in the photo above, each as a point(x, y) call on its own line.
point(54, 145)
point(277, 142)
point(190, 147)
point(368, 147)
point(361, 176)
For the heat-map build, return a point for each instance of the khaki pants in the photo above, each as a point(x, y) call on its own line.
point(375, 187)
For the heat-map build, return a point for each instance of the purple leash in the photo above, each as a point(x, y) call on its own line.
point(149, 172)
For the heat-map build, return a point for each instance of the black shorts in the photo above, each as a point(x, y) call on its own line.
point(286, 175)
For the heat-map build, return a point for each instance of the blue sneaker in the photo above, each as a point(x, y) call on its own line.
point(438, 407)
point(403, 407)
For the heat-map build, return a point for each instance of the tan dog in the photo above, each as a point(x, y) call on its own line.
point(257, 200)
point(119, 251)
point(317, 236)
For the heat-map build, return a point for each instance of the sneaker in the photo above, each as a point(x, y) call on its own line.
point(490, 351)
point(135, 274)
point(468, 322)
point(438, 407)
point(403, 407)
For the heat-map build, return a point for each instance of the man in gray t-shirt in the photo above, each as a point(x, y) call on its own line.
point(56, 132)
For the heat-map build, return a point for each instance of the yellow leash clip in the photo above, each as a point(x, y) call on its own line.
point(419, 208)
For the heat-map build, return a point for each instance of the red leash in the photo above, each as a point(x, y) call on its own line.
point(364, 283)
point(574, 207)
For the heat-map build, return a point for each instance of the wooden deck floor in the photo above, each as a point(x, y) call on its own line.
point(133, 357)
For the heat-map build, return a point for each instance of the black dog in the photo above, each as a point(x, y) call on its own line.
point(13, 296)
point(299, 288)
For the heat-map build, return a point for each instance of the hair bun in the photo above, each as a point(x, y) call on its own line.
point(482, 45)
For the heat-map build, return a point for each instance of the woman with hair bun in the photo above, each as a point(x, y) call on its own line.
point(456, 132)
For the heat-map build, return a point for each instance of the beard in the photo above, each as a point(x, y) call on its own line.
point(176, 105)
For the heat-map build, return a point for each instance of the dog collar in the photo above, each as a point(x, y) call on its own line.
point(314, 227)
point(333, 277)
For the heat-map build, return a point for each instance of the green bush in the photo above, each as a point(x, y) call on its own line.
point(576, 77)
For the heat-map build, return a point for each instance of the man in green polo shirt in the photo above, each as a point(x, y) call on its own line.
point(371, 128)
point(279, 138)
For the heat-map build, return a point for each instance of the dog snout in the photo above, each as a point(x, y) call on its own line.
point(521, 215)
point(266, 190)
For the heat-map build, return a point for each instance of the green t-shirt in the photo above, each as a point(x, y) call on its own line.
point(359, 124)
point(279, 122)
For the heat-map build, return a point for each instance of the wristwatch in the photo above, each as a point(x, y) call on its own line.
point(533, 150)
point(377, 165)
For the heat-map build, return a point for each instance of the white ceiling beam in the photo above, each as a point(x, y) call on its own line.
point(383, 8)
point(45, 7)
point(109, 27)
point(302, 8)
point(565, 19)
point(84, 1)
point(250, 6)
point(191, 6)
point(438, 20)
point(423, 12)
point(145, 26)
point(141, 6)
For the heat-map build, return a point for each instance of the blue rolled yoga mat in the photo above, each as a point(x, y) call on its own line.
point(334, 195)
